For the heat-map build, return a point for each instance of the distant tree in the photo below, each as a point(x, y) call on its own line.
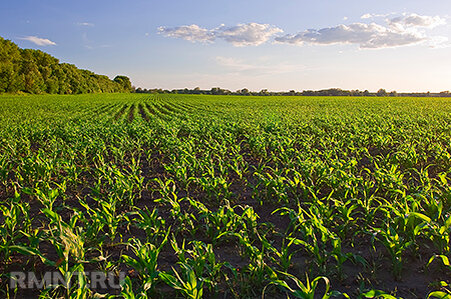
point(381, 93)
point(219, 91)
point(244, 92)
point(263, 92)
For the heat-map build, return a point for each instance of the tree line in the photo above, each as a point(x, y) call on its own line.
point(36, 72)
point(325, 92)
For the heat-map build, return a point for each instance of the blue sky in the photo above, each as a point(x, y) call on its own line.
point(279, 45)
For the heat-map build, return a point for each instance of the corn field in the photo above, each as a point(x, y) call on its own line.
point(227, 196)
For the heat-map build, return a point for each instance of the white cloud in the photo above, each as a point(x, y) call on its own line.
point(366, 35)
point(400, 31)
point(86, 24)
point(192, 33)
point(39, 41)
point(251, 34)
point(345, 18)
point(439, 42)
point(406, 29)
point(414, 20)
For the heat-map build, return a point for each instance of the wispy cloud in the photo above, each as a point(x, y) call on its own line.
point(91, 45)
point(85, 24)
point(39, 41)
point(260, 67)
point(374, 15)
point(250, 34)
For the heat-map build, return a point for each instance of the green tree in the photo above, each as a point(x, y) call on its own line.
point(34, 71)
point(124, 82)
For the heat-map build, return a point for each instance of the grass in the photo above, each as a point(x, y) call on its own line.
point(227, 196)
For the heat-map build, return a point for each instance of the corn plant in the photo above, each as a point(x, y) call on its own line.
point(145, 262)
point(187, 282)
point(16, 223)
point(307, 290)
